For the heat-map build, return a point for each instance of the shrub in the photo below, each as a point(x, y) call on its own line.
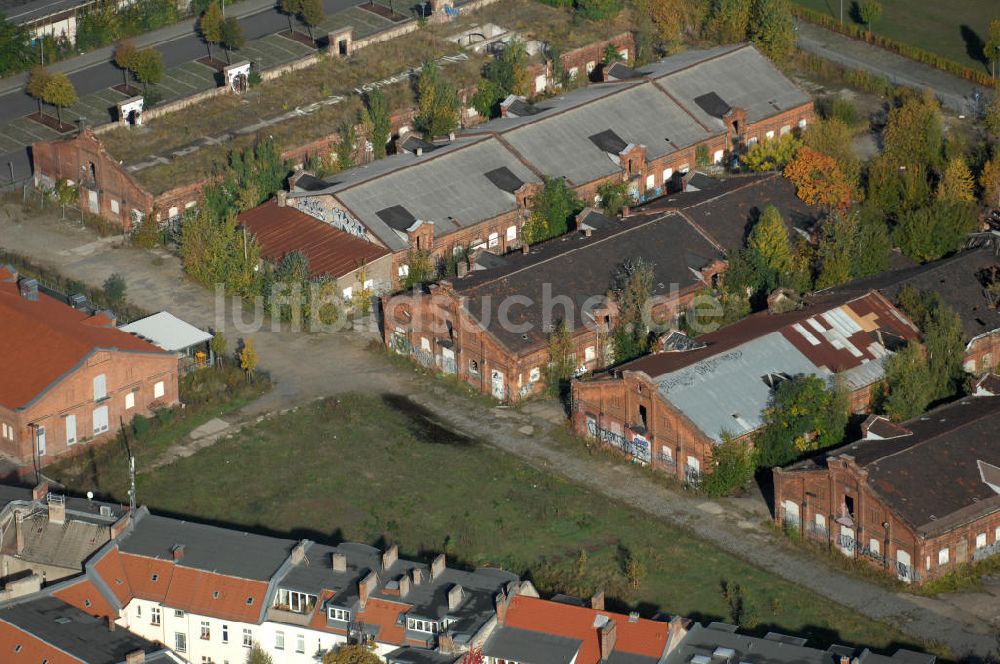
point(732, 468)
point(141, 425)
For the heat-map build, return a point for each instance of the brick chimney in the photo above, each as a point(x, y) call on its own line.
point(177, 551)
point(118, 527)
point(111, 625)
point(597, 601)
point(135, 657)
point(417, 575)
point(455, 596)
point(338, 561)
point(366, 587)
point(404, 585)
point(390, 556)
point(281, 198)
point(437, 567)
point(501, 602)
point(40, 491)
point(57, 510)
point(298, 553)
point(678, 630)
point(607, 634)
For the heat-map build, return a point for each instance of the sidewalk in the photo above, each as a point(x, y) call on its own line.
point(186, 27)
point(955, 93)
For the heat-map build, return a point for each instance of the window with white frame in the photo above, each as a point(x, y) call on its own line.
point(225, 633)
point(650, 182)
point(100, 387)
point(511, 233)
point(404, 270)
point(8, 431)
point(589, 353)
point(342, 615)
point(247, 638)
point(114, 207)
point(980, 540)
point(279, 640)
point(138, 611)
point(717, 157)
point(300, 643)
point(820, 522)
point(158, 389)
point(178, 613)
point(426, 626)
point(70, 429)
point(294, 601)
point(996, 535)
point(874, 546)
point(130, 401)
point(944, 556)
point(100, 420)
point(206, 631)
point(535, 375)
point(667, 174)
point(493, 240)
point(180, 642)
point(154, 615)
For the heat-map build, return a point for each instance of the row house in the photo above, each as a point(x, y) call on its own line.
point(69, 375)
point(914, 499)
point(647, 129)
point(491, 325)
point(670, 408)
point(966, 283)
point(210, 594)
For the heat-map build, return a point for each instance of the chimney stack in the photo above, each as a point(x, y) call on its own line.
point(437, 567)
point(462, 268)
point(298, 553)
point(281, 198)
point(455, 596)
point(111, 623)
point(404, 585)
point(525, 248)
point(40, 491)
point(338, 561)
point(678, 630)
point(597, 601)
point(57, 510)
point(500, 602)
point(366, 587)
point(177, 551)
point(118, 527)
point(417, 575)
point(390, 556)
point(607, 634)
point(135, 657)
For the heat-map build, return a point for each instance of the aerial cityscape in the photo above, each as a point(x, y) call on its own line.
point(499, 332)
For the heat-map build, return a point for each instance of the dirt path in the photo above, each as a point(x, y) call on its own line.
point(305, 367)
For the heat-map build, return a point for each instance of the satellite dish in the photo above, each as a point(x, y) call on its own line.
point(90, 495)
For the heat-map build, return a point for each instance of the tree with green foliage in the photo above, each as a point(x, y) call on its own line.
point(148, 68)
point(376, 121)
point(869, 11)
point(219, 345)
point(907, 386)
point(487, 98)
point(210, 25)
point(874, 245)
point(614, 197)
point(419, 269)
point(258, 655)
point(598, 10)
point(557, 205)
point(992, 46)
point(957, 183)
point(561, 366)
point(290, 8)
point(943, 339)
point(287, 289)
point(771, 28)
point(836, 250)
point(352, 653)
point(991, 115)
point(255, 173)
point(834, 138)
point(913, 135)
point(895, 189)
point(14, 49)
point(311, 13)
point(346, 146)
point(124, 57)
point(114, 289)
point(611, 55)
point(730, 468)
point(769, 240)
point(509, 70)
point(214, 250)
point(989, 182)
point(59, 92)
point(631, 289)
point(38, 79)
point(772, 155)
point(936, 230)
point(437, 102)
point(249, 359)
point(233, 38)
point(805, 415)
point(729, 20)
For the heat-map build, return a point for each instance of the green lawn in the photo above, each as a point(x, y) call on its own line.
point(951, 29)
point(375, 469)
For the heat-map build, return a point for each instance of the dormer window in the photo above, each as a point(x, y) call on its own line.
point(294, 601)
point(341, 615)
point(418, 625)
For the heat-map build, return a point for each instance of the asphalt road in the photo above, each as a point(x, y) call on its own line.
point(184, 48)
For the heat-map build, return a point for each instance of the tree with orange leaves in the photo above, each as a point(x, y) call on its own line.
point(819, 180)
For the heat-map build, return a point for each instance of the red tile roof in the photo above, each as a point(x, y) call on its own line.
point(110, 569)
point(382, 613)
point(86, 597)
point(642, 637)
point(43, 340)
point(32, 650)
point(330, 251)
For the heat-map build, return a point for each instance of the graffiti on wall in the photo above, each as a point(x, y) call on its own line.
point(638, 447)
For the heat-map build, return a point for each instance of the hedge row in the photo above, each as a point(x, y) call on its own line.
point(906, 50)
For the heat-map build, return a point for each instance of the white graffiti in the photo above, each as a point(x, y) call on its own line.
point(333, 216)
point(408, 74)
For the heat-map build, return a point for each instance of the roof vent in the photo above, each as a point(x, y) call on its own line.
point(723, 653)
point(701, 659)
point(338, 561)
point(78, 301)
point(177, 551)
point(633, 617)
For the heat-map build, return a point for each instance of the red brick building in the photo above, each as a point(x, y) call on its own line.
point(70, 375)
point(914, 499)
point(670, 408)
point(646, 129)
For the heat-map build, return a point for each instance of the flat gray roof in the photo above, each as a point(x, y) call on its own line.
point(528, 647)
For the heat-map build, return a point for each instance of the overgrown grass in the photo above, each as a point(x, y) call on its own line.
point(206, 394)
point(967, 576)
point(377, 469)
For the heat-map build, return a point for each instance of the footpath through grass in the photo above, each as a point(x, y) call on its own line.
point(956, 30)
point(377, 469)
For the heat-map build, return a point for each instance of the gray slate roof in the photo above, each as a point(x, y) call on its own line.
point(528, 647)
point(75, 632)
point(207, 548)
